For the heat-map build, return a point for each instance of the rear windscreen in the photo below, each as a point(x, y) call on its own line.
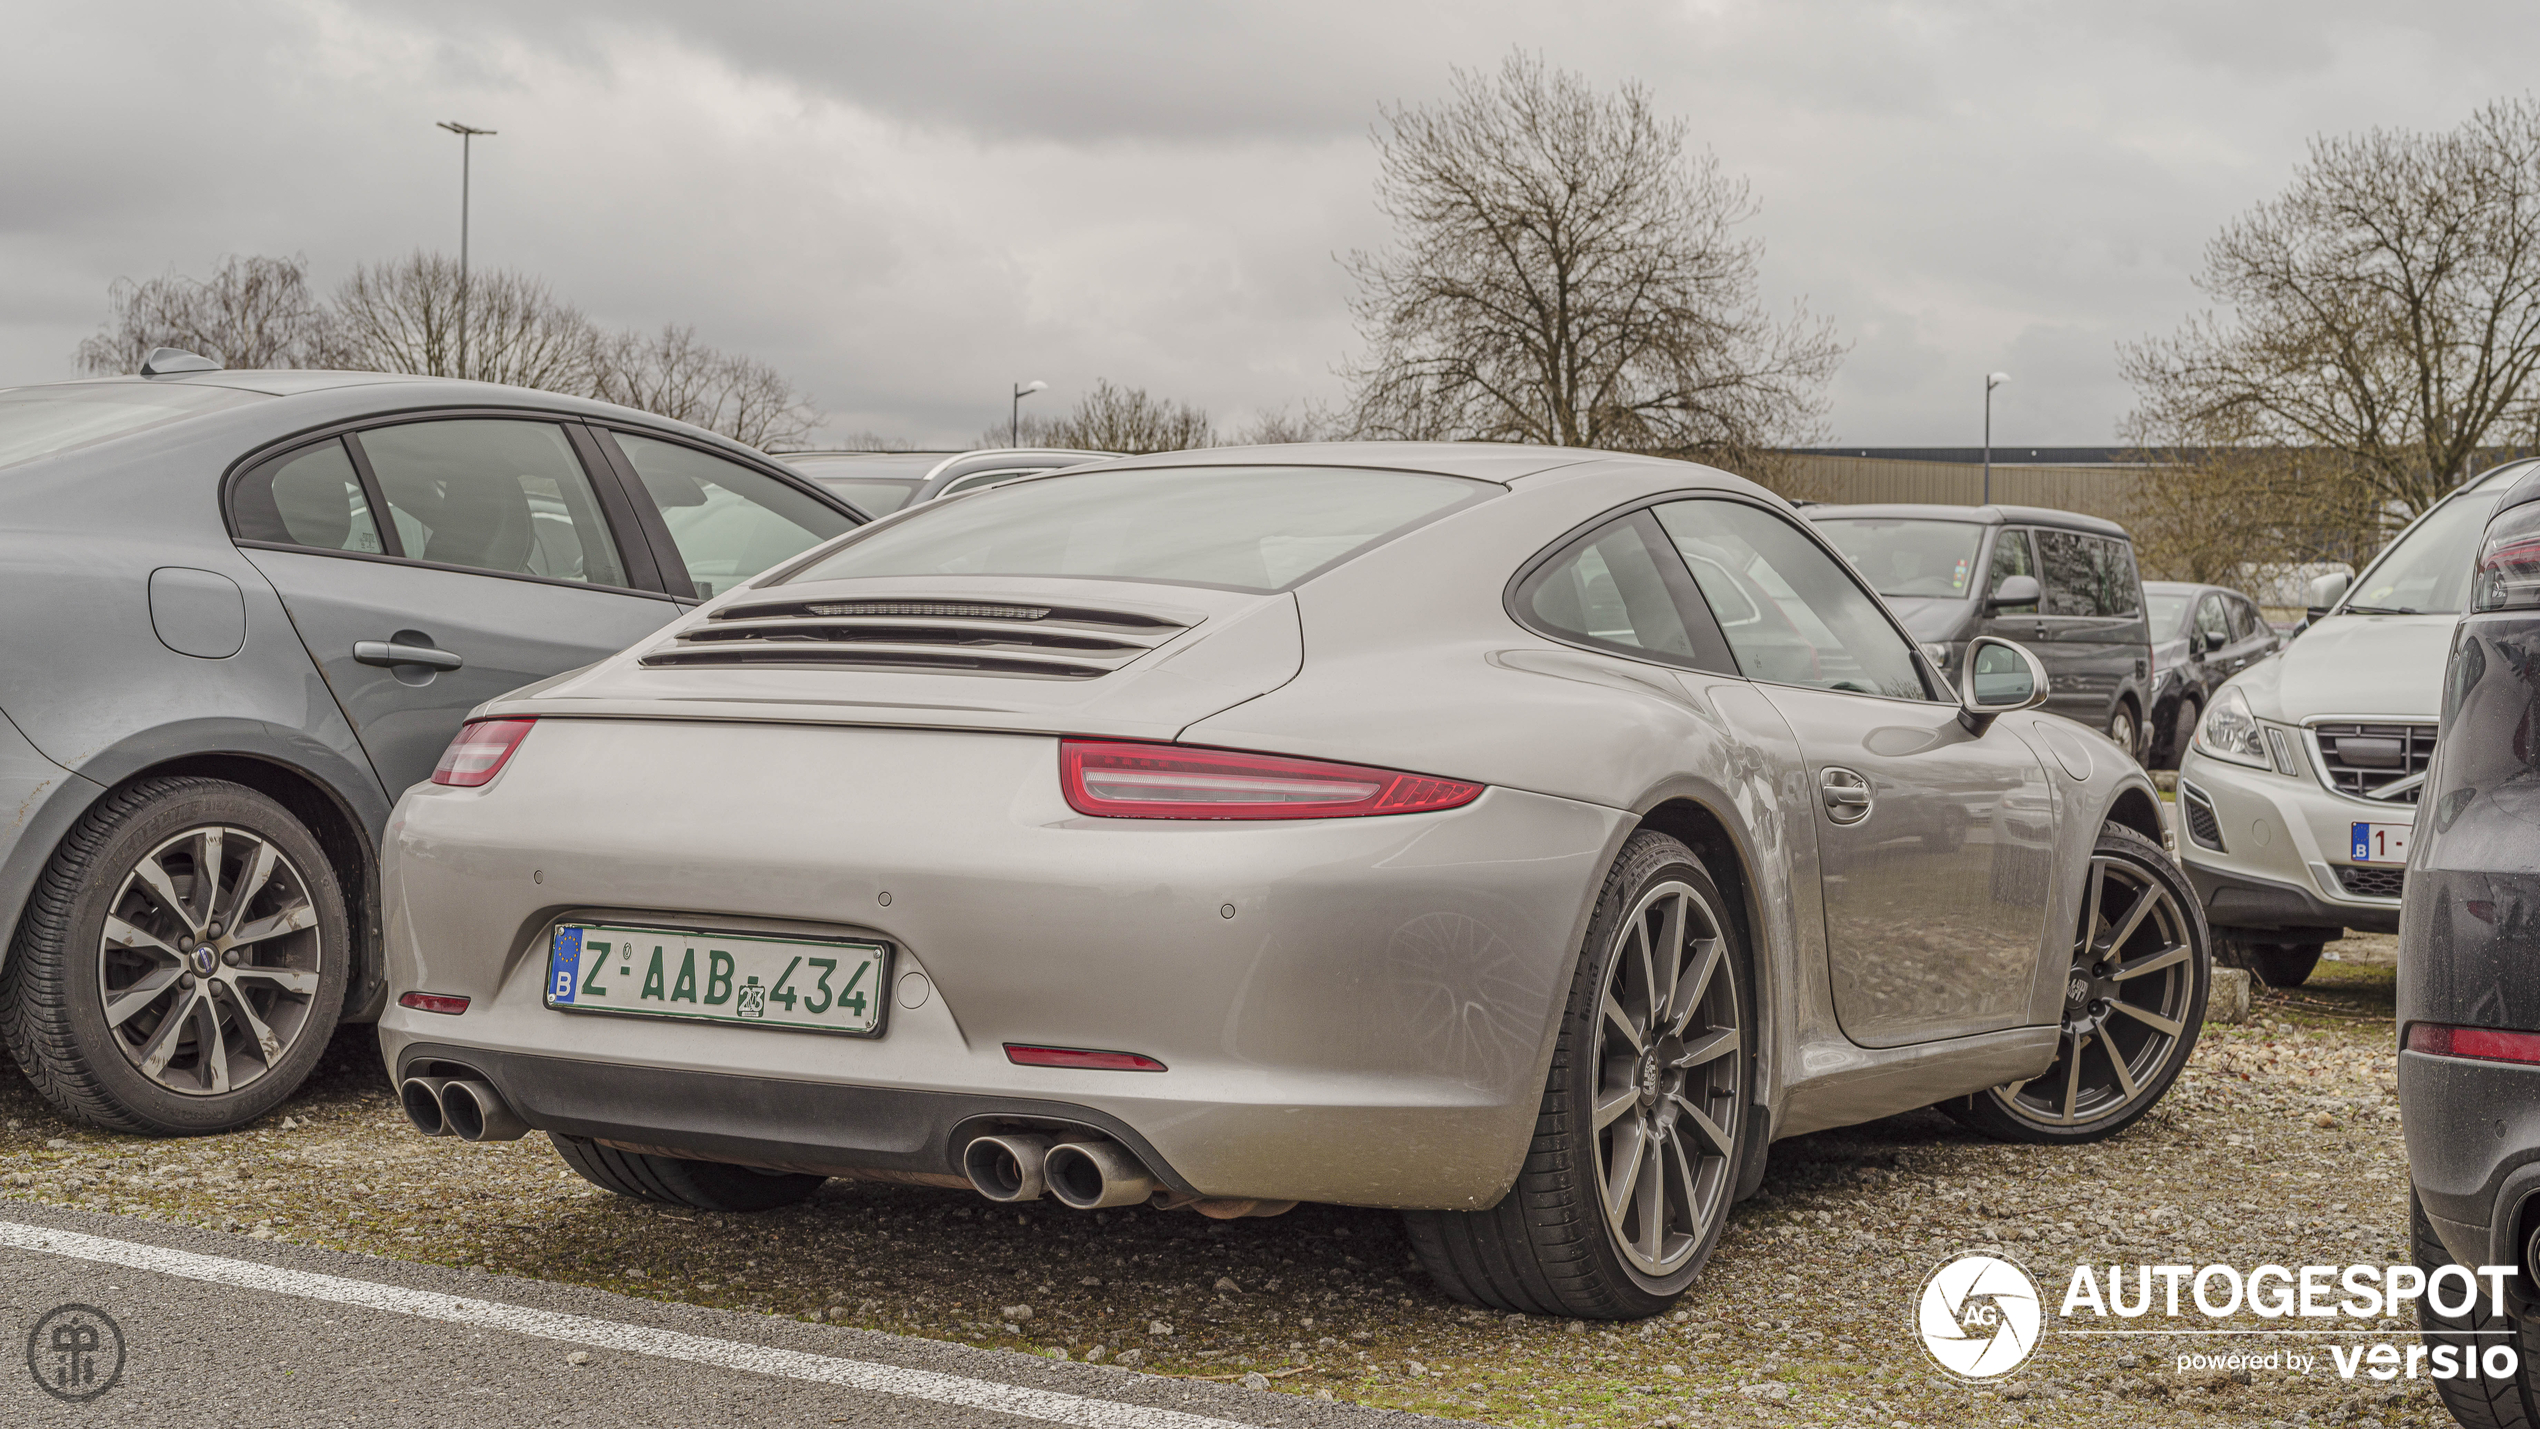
point(1252, 528)
point(39, 421)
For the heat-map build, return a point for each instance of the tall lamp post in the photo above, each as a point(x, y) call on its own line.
point(1991, 381)
point(1014, 413)
point(467, 141)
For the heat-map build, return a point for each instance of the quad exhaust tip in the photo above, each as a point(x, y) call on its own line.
point(1006, 1169)
point(463, 1107)
point(1095, 1175)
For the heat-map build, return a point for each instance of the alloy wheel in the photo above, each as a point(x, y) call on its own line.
point(208, 968)
point(2126, 1001)
point(1665, 1107)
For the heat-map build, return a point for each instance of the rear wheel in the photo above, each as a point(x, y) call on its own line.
point(2126, 731)
point(2134, 1001)
point(2182, 732)
point(2509, 1402)
point(181, 963)
point(1636, 1148)
point(677, 1181)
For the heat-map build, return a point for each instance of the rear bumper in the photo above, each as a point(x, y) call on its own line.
point(1350, 1010)
point(2473, 1134)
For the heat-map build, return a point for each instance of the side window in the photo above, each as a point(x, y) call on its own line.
point(2120, 590)
point(2011, 557)
point(492, 494)
point(729, 522)
point(2213, 627)
point(1610, 588)
point(2245, 620)
point(312, 497)
point(2072, 573)
point(1799, 616)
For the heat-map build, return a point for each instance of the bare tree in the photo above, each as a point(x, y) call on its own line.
point(1114, 419)
point(251, 312)
point(673, 374)
point(1285, 425)
point(2385, 312)
point(404, 317)
point(2218, 510)
point(1566, 272)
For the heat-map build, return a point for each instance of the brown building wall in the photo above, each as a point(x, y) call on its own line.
point(2094, 490)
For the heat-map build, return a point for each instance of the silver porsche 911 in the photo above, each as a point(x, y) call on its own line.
point(1522, 838)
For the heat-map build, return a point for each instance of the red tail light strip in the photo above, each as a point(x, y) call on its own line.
point(434, 1002)
point(1122, 780)
point(1079, 1057)
point(2484, 1044)
point(480, 751)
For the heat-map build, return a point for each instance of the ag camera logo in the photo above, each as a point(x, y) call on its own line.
point(1980, 1316)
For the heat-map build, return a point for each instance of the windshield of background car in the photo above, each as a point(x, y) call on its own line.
point(2169, 614)
point(2427, 572)
point(1926, 558)
point(39, 421)
point(872, 495)
point(1249, 528)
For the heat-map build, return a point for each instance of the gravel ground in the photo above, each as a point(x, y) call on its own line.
point(2280, 1144)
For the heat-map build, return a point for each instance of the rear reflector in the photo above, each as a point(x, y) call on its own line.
point(1170, 781)
point(2485, 1044)
point(433, 1002)
point(1023, 1056)
point(478, 753)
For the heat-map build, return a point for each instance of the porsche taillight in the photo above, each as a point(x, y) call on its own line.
point(1122, 780)
point(479, 751)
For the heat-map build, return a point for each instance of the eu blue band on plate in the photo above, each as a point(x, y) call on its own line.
point(564, 965)
point(2363, 842)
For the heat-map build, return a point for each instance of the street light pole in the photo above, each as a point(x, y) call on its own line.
point(1991, 381)
point(467, 141)
point(1014, 413)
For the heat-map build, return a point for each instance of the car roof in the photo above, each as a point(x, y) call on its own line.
point(2183, 587)
point(1480, 461)
point(1996, 515)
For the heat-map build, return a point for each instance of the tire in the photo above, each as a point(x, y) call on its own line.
point(1550, 1247)
point(2477, 1402)
point(2282, 964)
point(2126, 731)
point(182, 1054)
point(2139, 1010)
point(675, 1181)
point(2182, 733)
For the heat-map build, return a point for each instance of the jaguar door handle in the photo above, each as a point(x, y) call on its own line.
point(1846, 794)
point(389, 652)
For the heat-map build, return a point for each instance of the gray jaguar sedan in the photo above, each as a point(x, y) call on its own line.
point(245, 610)
point(1521, 838)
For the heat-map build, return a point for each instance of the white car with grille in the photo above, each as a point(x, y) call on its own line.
point(2299, 791)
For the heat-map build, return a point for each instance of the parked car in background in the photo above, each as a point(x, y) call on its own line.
point(1122, 835)
point(245, 610)
point(2202, 635)
point(2298, 796)
point(880, 483)
point(2469, 990)
point(2063, 585)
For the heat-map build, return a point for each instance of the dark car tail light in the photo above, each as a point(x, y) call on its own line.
point(1081, 1058)
point(2508, 573)
point(1119, 780)
point(2484, 1044)
point(479, 751)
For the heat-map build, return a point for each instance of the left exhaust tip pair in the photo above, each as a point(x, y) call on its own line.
point(1083, 1175)
point(463, 1107)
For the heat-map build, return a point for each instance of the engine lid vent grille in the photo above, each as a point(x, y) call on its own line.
point(939, 636)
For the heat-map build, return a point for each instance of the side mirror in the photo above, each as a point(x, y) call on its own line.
point(1998, 678)
point(2014, 590)
point(2324, 592)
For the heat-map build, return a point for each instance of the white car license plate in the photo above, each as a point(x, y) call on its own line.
point(749, 980)
point(2381, 843)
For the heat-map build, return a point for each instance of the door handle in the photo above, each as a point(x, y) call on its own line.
point(389, 652)
point(1846, 794)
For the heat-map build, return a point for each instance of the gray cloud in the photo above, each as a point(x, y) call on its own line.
point(908, 206)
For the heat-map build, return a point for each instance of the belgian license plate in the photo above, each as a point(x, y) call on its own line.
point(748, 980)
point(2381, 843)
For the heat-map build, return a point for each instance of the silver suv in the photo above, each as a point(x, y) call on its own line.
point(2299, 791)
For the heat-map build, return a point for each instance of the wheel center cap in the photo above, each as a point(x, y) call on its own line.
point(2077, 991)
point(205, 962)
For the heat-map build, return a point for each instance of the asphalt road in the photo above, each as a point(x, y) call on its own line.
point(220, 1330)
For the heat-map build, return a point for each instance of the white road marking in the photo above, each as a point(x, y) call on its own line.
point(1050, 1405)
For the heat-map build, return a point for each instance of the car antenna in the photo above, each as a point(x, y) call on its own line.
point(168, 361)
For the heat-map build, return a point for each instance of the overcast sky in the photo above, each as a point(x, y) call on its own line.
point(906, 206)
